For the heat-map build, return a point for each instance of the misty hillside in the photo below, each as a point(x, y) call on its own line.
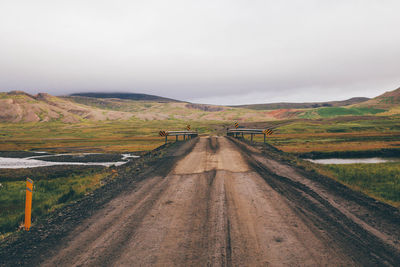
point(17, 106)
point(129, 96)
point(283, 105)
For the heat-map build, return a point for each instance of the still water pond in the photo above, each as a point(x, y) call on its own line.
point(35, 161)
point(352, 161)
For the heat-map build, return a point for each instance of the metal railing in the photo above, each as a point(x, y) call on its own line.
point(240, 132)
point(185, 134)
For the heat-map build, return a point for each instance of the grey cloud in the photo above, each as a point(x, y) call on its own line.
point(221, 52)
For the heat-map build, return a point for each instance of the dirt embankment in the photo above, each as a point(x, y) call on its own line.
point(218, 202)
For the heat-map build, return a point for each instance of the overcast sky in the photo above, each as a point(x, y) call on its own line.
point(208, 51)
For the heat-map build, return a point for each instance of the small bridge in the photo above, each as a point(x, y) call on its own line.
point(186, 135)
point(241, 132)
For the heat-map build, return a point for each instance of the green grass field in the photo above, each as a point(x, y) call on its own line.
point(338, 134)
point(330, 112)
point(49, 192)
point(108, 136)
point(334, 134)
point(381, 181)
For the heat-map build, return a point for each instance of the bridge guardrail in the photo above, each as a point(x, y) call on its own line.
point(236, 132)
point(186, 134)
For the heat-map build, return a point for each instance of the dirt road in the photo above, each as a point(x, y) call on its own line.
point(224, 204)
point(216, 202)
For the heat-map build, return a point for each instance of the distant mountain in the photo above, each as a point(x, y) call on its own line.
point(129, 96)
point(18, 106)
point(284, 105)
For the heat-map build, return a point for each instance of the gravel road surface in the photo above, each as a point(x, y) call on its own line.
point(224, 203)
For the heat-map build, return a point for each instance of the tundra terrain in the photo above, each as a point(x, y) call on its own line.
point(218, 202)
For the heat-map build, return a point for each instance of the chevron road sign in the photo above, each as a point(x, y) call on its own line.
point(267, 131)
point(163, 133)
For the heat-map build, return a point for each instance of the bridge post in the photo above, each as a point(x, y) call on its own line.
point(176, 138)
point(264, 138)
point(166, 138)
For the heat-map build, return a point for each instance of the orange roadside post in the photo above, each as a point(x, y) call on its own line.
point(28, 203)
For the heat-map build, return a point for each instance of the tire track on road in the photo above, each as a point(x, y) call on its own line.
point(220, 205)
point(365, 247)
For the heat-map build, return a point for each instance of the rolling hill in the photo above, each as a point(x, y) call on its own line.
point(128, 96)
point(284, 105)
point(18, 106)
point(386, 100)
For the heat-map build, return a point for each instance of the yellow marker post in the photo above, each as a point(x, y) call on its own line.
point(28, 203)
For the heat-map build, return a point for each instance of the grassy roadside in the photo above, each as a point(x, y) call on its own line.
point(337, 134)
point(58, 188)
point(49, 193)
point(380, 181)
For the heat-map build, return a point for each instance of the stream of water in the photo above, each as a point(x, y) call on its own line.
point(31, 162)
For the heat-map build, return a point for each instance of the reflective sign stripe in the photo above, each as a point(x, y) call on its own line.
point(267, 131)
point(163, 133)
